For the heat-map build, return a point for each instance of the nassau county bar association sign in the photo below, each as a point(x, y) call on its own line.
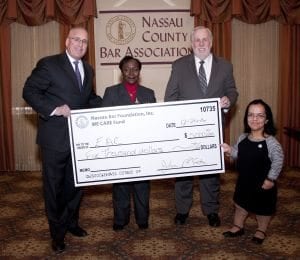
point(155, 37)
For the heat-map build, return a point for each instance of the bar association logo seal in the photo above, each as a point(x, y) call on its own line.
point(120, 30)
point(82, 122)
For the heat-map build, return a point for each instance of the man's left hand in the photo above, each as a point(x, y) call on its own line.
point(225, 102)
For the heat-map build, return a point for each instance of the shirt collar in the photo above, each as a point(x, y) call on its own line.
point(71, 59)
point(208, 59)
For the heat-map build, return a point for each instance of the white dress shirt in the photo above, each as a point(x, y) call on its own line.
point(207, 66)
point(80, 66)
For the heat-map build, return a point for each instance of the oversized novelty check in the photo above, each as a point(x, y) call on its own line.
point(146, 141)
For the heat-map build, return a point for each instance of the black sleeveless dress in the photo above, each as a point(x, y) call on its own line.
point(253, 165)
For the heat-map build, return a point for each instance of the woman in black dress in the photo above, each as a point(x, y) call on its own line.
point(259, 162)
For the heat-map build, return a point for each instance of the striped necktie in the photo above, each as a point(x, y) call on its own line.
point(202, 77)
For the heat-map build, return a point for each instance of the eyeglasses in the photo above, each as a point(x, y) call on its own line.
point(79, 41)
point(256, 116)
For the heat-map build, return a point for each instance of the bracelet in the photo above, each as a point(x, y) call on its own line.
point(269, 179)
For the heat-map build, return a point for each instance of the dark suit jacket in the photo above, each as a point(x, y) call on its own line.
point(53, 83)
point(184, 82)
point(117, 95)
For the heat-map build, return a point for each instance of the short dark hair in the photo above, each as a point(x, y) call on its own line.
point(128, 58)
point(269, 128)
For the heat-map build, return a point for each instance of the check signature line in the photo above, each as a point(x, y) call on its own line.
point(116, 169)
point(147, 142)
point(186, 167)
point(184, 126)
point(140, 154)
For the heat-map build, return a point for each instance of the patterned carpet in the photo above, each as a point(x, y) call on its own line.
point(24, 231)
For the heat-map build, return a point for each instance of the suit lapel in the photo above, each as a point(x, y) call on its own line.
point(87, 75)
point(140, 96)
point(192, 67)
point(213, 74)
point(68, 68)
point(123, 94)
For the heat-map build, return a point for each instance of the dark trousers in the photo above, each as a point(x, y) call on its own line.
point(209, 193)
point(121, 201)
point(62, 199)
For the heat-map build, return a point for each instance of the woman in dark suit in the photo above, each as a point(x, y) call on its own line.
point(126, 93)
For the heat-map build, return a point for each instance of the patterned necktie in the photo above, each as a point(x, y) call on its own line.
point(78, 76)
point(202, 77)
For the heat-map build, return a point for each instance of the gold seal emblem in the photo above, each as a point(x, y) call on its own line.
point(120, 30)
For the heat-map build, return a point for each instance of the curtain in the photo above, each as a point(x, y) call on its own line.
point(289, 95)
point(216, 13)
point(38, 41)
point(258, 11)
point(33, 13)
point(6, 128)
point(255, 58)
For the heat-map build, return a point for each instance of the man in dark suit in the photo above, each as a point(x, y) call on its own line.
point(215, 79)
point(127, 93)
point(56, 85)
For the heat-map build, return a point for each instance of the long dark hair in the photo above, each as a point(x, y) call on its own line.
point(269, 128)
